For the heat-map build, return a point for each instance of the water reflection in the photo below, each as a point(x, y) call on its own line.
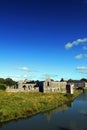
point(82, 97)
point(62, 128)
point(83, 112)
point(62, 108)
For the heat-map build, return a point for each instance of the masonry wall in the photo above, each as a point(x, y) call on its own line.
point(28, 87)
point(52, 86)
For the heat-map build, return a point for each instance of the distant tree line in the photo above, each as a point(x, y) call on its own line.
point(83, 79)
point(4, 83)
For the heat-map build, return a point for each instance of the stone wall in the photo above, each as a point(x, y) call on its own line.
point(24, 87)
point(31, 87)
point(53, 86)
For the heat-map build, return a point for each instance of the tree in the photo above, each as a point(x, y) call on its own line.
point(9, 82)
point(62, 80)
point(2, 81)
point(70, 80)
point(2, 86)
point(84, 80)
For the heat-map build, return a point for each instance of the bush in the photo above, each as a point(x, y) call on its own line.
point(2, 86)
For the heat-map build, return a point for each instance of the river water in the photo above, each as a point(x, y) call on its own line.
point(71, 116)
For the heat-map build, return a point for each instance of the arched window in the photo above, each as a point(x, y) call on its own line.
point(24, 87)
point(48, 84)
point(29, 87)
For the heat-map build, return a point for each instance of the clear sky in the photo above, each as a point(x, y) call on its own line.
point(43, 37)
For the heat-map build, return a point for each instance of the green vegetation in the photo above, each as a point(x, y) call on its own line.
point(20, 105)
point(2, 86)
point(83, 79)
point(6, 82)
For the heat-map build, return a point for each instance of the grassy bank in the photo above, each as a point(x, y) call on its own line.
point(19, 105)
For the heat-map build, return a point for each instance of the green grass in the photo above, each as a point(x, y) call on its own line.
point(20, 105)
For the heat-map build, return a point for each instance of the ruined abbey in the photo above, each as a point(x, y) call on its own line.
point(47, 86)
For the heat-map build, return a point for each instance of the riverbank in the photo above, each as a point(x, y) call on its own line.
point(21, 105)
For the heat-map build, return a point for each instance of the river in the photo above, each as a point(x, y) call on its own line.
point(71, 116)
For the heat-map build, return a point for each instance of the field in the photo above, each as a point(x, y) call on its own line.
point(24, 104)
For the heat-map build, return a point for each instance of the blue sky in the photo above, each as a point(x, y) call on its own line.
point(43, 37)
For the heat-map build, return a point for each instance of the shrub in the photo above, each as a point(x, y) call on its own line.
point(2, 86)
